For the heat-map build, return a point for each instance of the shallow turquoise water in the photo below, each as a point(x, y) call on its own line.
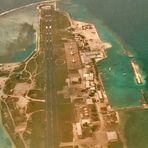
point(129, 20)
point(123, 31)
point(135, 128)
point(119, 82)
point(10, 26)
point(19, 56)
point(12, 46)
point(4, 140)
point(117, 73)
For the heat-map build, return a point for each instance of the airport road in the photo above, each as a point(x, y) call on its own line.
point(51, 99)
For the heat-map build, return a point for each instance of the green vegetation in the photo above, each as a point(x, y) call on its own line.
point(30, 64)
point(31, 72)
point(37, 126)
point(36, 94)
point(60, 35)
point(7, 122)
point(115, 145)
point(19, 68)
point(61, 20)
point(34, 106)
point(65, 120)
point(9, 86)
point(41, 71)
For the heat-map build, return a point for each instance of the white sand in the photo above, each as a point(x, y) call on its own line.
point(21, 89)
point(22, 102)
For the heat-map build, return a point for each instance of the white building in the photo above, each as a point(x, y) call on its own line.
point(79, 129)
point(112, 136)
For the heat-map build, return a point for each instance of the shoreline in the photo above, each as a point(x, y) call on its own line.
point(91, 50)
point(5, 131)
point(11, 11)
point(8, 66)
point(104, 56)
point(21, 7)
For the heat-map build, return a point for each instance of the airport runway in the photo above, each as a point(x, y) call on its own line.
point(51, 97)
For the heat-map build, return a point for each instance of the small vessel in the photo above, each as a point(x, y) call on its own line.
point(109, 68)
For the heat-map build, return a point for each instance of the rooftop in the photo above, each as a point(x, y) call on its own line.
point(72, 57)
point(112, 136)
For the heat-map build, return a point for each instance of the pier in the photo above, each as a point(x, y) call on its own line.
point(133, 108)
point(136, 72)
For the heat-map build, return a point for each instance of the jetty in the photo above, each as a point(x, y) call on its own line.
point(137, 72)
point(133, 108)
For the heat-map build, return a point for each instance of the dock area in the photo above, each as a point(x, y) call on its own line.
point(96, 124)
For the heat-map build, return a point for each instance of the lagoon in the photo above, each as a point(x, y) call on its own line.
point(124, 25)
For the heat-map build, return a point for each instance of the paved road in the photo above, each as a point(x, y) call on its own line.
point(51, 99)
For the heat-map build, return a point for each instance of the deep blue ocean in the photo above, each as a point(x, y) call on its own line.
point(123, 23)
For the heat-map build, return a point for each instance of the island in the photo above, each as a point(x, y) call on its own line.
point(56, 97)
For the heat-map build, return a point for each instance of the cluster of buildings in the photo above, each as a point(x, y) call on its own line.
point(91, 106)
point(88, 40)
